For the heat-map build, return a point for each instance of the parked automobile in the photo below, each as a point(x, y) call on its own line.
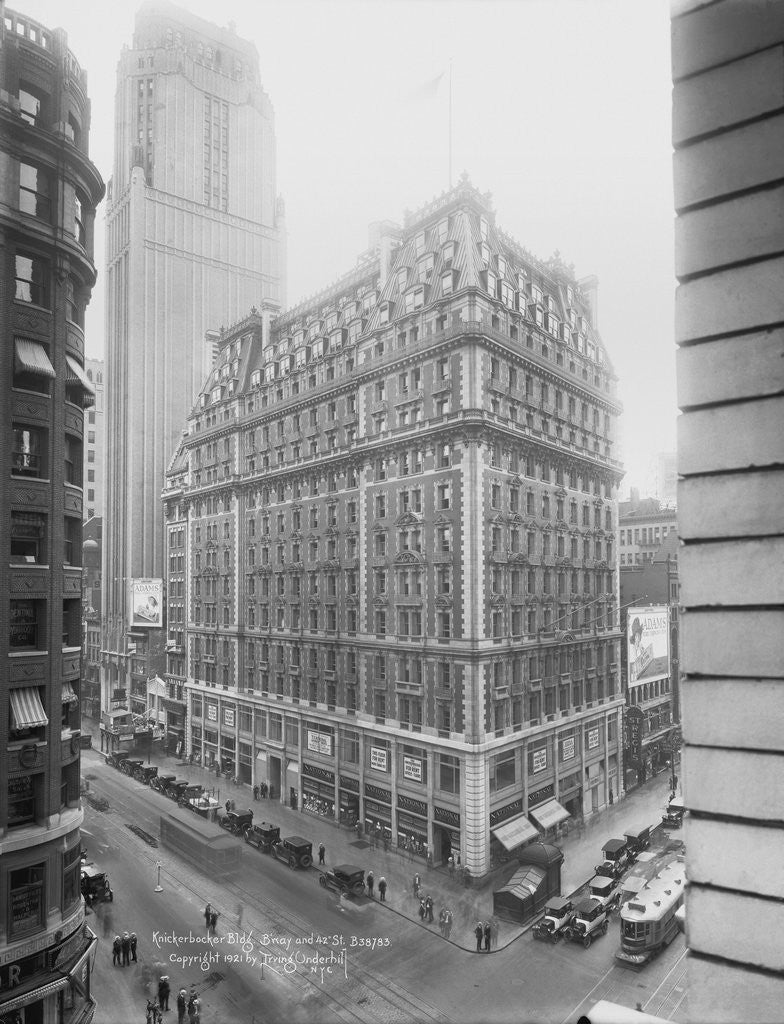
point(558, 915)
point(606, 890)
point(192, 792)
point(673, 816)
point(146, 773)
point(117, 758)
point(160, 782)
point(205, 806)
point(95, 885)
point(174, 789)
point(237, 822)
point(347, 879)
point(130, 764)
point(294, 850)
point(590, 920)
point(85, 741)
point(637, 840)
point(616, 858)
point(263, 836)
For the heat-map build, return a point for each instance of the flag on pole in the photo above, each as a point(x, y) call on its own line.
point(427, 90)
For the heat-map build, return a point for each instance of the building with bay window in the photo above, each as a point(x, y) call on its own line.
point(49, 191)
point(397, 507)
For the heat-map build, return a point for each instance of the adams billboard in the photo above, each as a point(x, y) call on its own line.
point(648, 643)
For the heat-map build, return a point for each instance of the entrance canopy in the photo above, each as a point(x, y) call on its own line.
point(513, 833)
point(548, 814)
point(26, 709)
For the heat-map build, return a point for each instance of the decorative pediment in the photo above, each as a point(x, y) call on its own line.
point(314, 601)
point(379, 528)
point(408, 558)
point(498, 518)
point(379, 602)
point(443, 602)
point(407, 519)
point(441, 520)
point(497, 599)
point(518, 556)
point(515, 519)
point(516, 480)
point(352, 600)
point(547, 528)
point(332, 531)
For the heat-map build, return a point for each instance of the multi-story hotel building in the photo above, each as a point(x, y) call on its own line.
point(391, 527)
point(194, 239)
point(643, 527)
point(49, 190)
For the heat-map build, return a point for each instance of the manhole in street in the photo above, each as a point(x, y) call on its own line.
point(150, 840)
point(360, 844)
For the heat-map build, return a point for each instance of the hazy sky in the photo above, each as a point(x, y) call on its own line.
point(560, 109)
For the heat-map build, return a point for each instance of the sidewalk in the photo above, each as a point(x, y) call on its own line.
point(581, 848)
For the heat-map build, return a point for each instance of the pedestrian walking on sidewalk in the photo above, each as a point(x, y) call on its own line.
point(451, 865)
point(417, 886)
point(126, 949)
point(213, 921)
point(370, 881)
point(117, 951)
point(494, 932)
point(207, 915)
point(322, 851)
point(442, 920)
point(422, 910)
point(447, 923)
point(255, 792)
point(182, 1006)
point(429, 909)
point(163, 992)
point(134, 943)
point(487, 935)
point(382, 889)
point(479, 932)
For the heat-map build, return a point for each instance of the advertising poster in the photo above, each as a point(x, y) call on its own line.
point(147, 604)
point(320, 742)
point(378, 759)
point(648, 637)
point(540, 759)
point(412, 769)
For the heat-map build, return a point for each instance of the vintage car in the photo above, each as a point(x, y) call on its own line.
point(116, 759)
point(673, 816)
point(347, 879)
point(590, 920)
point(263, 836)
point(637, 840)
point(95, 885)
point(237, 822)
point(174, 789)
point(192, 792)
point(294, 850)
point(130, 764)
point(616, 858)
point(606, 890)
point(558, 915)
point(85, 741)
point(160, 782)
point(146, 773)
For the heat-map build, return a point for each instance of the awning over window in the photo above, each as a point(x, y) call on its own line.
point(32, 358)
point(548, 814)
point(513, 833)
point(76, 375)
point(69, 697)
point(27, 710)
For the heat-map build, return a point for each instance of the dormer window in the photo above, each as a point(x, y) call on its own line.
point(402, 279)
point(385, 313)
point(448, 252)
point(501, 266)
point(443, 229)
point(415, 298)
point(536, 294)
point(425, 267)
point(483, 227)
point(419, 243)
point(447, 283)
point(255, 379)
point(484, 253)
point(217, 394)
point(368, 301)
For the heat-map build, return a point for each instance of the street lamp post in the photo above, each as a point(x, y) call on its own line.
point(159, 887)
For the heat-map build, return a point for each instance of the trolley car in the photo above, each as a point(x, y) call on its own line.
point(648, 921)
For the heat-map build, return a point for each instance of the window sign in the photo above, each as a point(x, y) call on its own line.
point(567, 749)
point(212, 712)
point(379, 759)
point(593, 738)
point(412, 769)
point(540, 759)
point(320, 743)
point(228, 717)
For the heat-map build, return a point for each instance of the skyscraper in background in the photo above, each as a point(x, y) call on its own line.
point(194, 239)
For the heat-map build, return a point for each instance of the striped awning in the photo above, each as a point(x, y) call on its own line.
point(32, 358)
point(27, 709)
point(76, 375)
point(549, 814)
point(515, 832)
point(69, 697)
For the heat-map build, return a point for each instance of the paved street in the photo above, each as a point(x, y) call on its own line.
point(413, 974)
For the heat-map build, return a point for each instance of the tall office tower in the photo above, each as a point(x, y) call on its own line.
point(49, 190)
point(95, 443)
point(194, 239)
point(392, 525)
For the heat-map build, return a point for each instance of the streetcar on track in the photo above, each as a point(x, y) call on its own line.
point(649, 918)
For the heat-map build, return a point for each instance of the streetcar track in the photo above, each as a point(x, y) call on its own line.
point(365, 993)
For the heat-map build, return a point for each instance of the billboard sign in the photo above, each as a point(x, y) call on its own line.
point(147, 604)
point(648, 644)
